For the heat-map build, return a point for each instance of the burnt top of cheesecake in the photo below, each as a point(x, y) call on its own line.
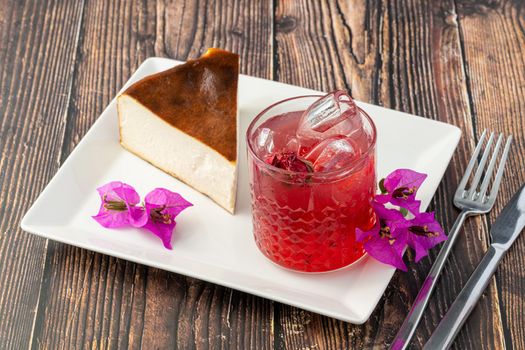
point(198, 97)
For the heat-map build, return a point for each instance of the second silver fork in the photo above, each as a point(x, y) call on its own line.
point(471, 201)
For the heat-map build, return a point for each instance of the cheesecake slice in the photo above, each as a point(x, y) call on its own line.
point(184, 121)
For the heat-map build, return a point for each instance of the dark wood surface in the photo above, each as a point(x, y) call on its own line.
point(61, 62)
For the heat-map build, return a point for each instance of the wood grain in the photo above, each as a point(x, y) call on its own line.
point(91, 300)
point(37, 50)
point(428, 79)
point(493, 38)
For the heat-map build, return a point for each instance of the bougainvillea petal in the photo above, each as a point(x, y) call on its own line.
point(162, 206)
point(119, 191)
point(383, 242)
point(403, 178)
point(387, 214)
point(401, 188)
point(362, 236)
point(138, 217)
point(163, 231)
point(111, 219)
point(117, 198)
point(173, 202)
point(424, 233)
point(387, 253)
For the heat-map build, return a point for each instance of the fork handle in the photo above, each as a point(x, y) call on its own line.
point(405, 333)
point(458, 313)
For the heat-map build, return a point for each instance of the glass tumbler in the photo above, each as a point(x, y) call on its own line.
point(306, 221)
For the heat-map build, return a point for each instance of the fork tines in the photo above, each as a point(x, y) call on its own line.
point(476, 192)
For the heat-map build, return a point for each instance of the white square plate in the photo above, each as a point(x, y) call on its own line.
point(211, 244)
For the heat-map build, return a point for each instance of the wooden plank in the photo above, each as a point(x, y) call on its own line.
point(37, 50)
point(95, 301)
point(494, 48)
point(407, 56)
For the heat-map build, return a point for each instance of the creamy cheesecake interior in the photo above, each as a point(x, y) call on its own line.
point(177, 153)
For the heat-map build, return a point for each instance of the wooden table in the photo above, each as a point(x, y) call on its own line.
point(61, 62)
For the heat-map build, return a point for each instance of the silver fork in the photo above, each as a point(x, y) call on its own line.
point(471, 201)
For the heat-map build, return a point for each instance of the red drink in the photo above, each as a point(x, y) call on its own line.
point(305, 220)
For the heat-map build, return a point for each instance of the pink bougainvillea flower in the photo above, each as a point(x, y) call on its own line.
point(383, 242)
point(393, 232)
point(117, 199)
point(423, 233)
point(401, 188)
point(138, 216)
point(161, 208)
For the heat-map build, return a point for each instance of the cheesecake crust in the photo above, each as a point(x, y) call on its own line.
point(198, 97)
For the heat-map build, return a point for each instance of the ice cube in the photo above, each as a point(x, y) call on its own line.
point(264, 141)
point(333, 114)
point(293, 145)
point(333, 153)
